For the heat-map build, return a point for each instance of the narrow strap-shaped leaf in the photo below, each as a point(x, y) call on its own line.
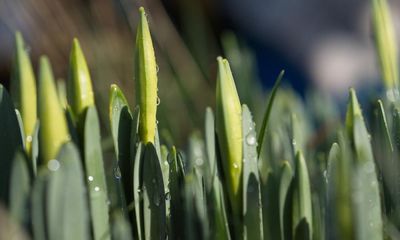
point(34, 158)
point(137, 190)
point(20, 189)
point(210, 148)
point(301, 202)
point(219, 225)
point(95, 176)
point(175, 192)
point(38, 202)
point(121, 122)
point(10, 141)
point(252, 214)
point(21, 127)
point(121, 229)
point(366, 195)
point(285, 199)
point(154, 221)
point(268, 112)
point(67, 206)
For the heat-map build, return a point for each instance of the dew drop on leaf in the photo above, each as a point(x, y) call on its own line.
point(251, 138)
point(53, 165)
point(117, 173)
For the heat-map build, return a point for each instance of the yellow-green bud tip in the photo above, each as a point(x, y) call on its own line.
point(80, 91)
point(53, 131)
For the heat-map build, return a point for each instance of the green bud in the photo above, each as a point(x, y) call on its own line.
point(229, 130)
point(353, 110)
point(23, 88)
point(146, 80)
point(53, 125)
point(385, 42)
point(80, 92)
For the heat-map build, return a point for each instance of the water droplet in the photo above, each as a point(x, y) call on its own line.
point(156, 199)
point(325, 173)
point(251, 138)
point(53, 165)
point(29, 138)
point(157, 68)
point(139, 190)
point(166, 163)
point(115, 108)
point(158, 101)
point(108, 202)
point(235, 166)
point(96, 189)
point(244, 160)
point(294, 142)
point(117, 173)
point(199, 161)
point(90, 178)
point(167, 196)
point(373, 183)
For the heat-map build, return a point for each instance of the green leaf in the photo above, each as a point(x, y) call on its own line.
point(21, 127)
point(10, 141)
point(20, 189)
point(34, 158)
point(123, 135)
point(285, 199)
point(38, 201)
point(268, 112)
point(219, 227)
point(339, 207)
point(121, 229)
point(252, 214)
point(176, 178)
point(120, 120)
point(210, 148)
point(146, 80)
point(67, 207)
point(366, 195)
point(137, 190)
point(154, 221)
point(301, 202)
point(95, 176)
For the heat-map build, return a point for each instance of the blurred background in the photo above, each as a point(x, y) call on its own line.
point(325, 45)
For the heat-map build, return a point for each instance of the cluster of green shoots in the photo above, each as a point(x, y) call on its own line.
point(236, 180)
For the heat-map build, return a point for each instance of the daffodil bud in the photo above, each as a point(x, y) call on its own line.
point(229, 130)
point(23, 88)
point(80, 91)
point(385, 42)
point(53, 125)
point(353, 110)
point(146, 80)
